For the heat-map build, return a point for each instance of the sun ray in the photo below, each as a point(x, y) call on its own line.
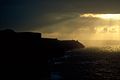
point(102, 16)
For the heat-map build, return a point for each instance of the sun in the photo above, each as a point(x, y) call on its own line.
point(110, 16)
point(107, 16)
point(102, 16)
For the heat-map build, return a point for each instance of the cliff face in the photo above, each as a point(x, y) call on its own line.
point(71, 44)
point(28, 47)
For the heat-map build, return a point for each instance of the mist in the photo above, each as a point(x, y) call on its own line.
point(84, 29)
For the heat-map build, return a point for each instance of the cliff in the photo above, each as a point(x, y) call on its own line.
point(30, 47)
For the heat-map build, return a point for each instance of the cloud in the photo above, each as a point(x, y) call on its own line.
point(101, 16)
point(29, 13)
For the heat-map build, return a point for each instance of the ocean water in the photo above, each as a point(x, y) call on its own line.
point(92, 63)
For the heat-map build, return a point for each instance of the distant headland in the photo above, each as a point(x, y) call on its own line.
point(30, 47)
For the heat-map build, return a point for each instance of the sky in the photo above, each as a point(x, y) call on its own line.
point(58, 18)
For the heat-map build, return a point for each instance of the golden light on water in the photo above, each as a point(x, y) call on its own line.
point(102, 16)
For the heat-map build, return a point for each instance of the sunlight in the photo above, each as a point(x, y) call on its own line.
point(107, 32)
point(102, 16)
point(107, 29)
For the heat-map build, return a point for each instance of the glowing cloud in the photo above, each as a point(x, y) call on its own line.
point(107, 29)
point(102, 16)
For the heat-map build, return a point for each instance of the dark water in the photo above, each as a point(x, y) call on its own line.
point(101, 63)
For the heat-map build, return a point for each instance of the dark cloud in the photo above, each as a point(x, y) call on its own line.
point(34, 14)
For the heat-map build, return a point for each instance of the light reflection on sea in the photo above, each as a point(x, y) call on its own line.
point(92, 63)
point(113, 48)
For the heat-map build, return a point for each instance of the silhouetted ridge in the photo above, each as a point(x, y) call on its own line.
point(71, 44)
point(29, 35)
point(30, 47)
point(7, 31)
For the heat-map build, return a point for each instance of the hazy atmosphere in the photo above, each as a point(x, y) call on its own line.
point(64, 19)
point(60, 39)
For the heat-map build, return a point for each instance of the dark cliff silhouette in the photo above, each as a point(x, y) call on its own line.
point(29, 47)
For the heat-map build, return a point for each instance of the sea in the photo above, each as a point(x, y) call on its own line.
point(90, 63)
